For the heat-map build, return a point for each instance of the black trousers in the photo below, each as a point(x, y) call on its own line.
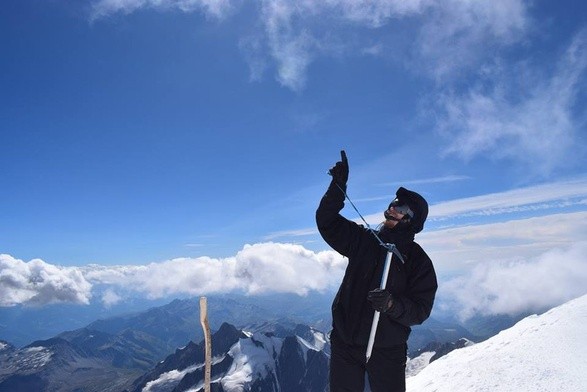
point(386, 369)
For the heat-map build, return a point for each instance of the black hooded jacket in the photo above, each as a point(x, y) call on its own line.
point(412, 284)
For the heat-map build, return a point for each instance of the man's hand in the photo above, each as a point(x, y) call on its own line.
point(381, 300)
point(340, 171)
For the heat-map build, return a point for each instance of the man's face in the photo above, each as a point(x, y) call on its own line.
point(397, 216)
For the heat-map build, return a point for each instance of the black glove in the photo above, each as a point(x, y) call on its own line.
point(340, 171)
point(381, 300)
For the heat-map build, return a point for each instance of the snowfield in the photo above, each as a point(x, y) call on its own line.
point(543, 353)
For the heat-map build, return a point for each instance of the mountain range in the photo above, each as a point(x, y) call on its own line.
point(21, 325)
point(139, 351)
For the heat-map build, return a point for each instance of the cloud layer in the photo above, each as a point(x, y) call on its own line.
point(462, 248)
point(256, 269)
point(509, 267)
point(505, 267)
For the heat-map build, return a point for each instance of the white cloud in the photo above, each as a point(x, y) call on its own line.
point(288, 268)
point(530, 121)
point(299, 31)
point(110, 298)
point(40, 283)
point(293, 56)
point(524, 265)
point(511, 287)
point(453, 34)
point(170, 277)
point(259, 268)
point(213, 8)
point(256, 269)
point(456, 34)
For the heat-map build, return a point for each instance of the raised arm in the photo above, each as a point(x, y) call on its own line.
point(336, 230)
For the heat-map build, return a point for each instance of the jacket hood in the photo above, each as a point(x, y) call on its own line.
point(417, 204)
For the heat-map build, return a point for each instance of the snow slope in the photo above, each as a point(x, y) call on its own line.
point(252, 359)
point(540, 353)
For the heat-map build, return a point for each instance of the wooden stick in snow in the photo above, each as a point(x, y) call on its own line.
point(207, 342)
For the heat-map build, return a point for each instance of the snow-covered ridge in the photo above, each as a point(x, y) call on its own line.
point(169, 379)
point(540, 353)
point(252, 358)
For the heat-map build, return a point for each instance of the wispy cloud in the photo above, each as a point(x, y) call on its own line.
point(455, 34)
point(290, 233)
point(560, 192)
point(213, 8)
point(298, 32)
point(295, 33)
point(110, 298)
point(528, 120)
point(551, 195)
point(531, 121)
point(407, 183)
point(434, 180)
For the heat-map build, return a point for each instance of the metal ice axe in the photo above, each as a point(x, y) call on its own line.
point(391, 250)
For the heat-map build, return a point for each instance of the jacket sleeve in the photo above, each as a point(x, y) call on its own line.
point(338, 232)
point(415, 306)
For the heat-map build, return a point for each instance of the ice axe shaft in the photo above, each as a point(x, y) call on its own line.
point(386, 267)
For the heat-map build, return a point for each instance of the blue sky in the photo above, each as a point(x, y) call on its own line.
point(142, 135)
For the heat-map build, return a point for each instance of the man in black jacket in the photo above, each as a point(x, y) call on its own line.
point(406, 300)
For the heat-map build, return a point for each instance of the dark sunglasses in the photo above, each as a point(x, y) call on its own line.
point(401, 208)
